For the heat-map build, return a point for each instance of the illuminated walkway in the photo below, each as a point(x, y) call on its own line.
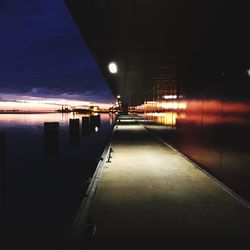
point(151, 197)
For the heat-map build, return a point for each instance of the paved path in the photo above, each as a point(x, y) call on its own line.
point(151, 197)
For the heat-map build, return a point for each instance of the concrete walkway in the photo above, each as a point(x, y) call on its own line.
point(151, 197)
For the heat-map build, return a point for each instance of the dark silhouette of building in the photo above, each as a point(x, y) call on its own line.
point(195, 51)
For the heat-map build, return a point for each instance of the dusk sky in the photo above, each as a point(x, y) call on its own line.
point(43, 55)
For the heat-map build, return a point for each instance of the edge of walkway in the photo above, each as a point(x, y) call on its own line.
point(228, 190)
point(79, 227)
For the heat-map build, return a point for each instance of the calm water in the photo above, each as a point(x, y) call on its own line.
point(43, 194)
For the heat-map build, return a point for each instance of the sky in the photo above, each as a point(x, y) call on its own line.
point(44, 57)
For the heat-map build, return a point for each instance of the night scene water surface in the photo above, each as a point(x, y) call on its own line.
point(43, 194)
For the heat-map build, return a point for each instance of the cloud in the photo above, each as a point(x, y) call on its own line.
point(44, 54)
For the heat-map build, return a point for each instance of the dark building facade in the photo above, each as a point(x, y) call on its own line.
point(187, 59)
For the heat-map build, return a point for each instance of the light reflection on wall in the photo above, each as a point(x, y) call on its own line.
point(200, 112)
point(164, 112)
point(211, 126)
point(213, 112)
point(162, 106)
point(168, 118)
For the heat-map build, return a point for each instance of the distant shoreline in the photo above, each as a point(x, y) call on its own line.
point(26, 112)
point(41, 112)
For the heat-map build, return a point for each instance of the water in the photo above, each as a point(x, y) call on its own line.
point(43, 192)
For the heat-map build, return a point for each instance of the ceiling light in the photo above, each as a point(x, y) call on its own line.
point(113, 68)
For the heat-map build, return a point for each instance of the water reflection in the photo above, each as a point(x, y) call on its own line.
point(43, 196)
point(2, 170)
point(14, 120)
point(95, 122)
point(51, 140)
point(111, 119)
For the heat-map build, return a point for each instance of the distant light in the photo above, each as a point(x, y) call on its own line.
point(170, 96)
point(174, 105)
point(96, 129)
point(248, 72)
point(118, 96)
point(113, 68)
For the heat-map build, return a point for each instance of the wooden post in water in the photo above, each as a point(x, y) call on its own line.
point(95, 121)
point(85, 125)
point(92, 122)
point(2, 169)
point(98, 121)
point(74, 134)
point(51, 140)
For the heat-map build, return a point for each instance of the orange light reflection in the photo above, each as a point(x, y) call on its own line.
point(200, 112)
point(168, 118)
